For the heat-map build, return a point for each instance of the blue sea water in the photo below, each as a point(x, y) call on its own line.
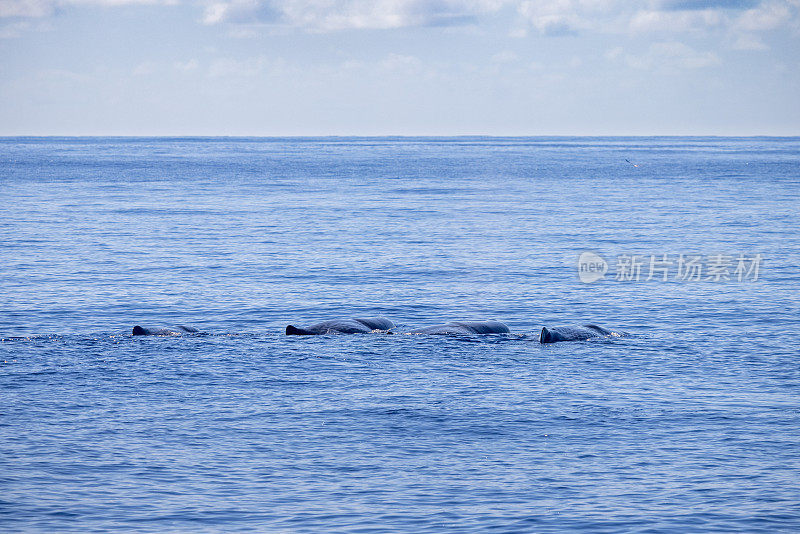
point(691, 423)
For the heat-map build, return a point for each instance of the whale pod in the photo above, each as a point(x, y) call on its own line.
point(573, 333)
point(177, 331)
point(342, 326)
point(465, 327)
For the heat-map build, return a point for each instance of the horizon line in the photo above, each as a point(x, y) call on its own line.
point(383, 136)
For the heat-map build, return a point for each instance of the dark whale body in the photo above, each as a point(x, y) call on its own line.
point(177, 331)
point(573, 333)
point(465, 327)
point(342, 326)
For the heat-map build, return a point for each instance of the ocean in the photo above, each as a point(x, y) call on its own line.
point(690, 423)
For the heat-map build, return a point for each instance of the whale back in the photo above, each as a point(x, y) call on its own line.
point(601, 331)
point(178, 330)
point(484, 327)
point(342, 326)
point(465, 327)
point(572, 333)
point(376, 323)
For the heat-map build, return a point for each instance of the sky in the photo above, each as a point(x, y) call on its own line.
point(399, 67)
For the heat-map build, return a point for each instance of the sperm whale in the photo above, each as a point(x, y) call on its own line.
point(342, 326)
point(465, 327)
point(574, 333)
point(177, 331)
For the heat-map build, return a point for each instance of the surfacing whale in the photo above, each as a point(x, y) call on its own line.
point(342, 326)
point(573, 333)
point(465, 327)
point(177, 331)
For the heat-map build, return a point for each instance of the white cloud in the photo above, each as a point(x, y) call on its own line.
point(559, 17)
point(46, 8)
point(670, 55)
point(227, 68)
point(333, 15)
point(62, 77)
point(675, 21)
point(746, 41)
point(187, 66)
point(242, 68)
point(505, 56)
point(222, 11)
point(614, 53)
point(664, 17)
point(113, 3)
point(26, 8)
point(144, 69)
point(683, 56)
point(15, 29)
point(767, 16)
point(399, 62)
point(738, 22)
